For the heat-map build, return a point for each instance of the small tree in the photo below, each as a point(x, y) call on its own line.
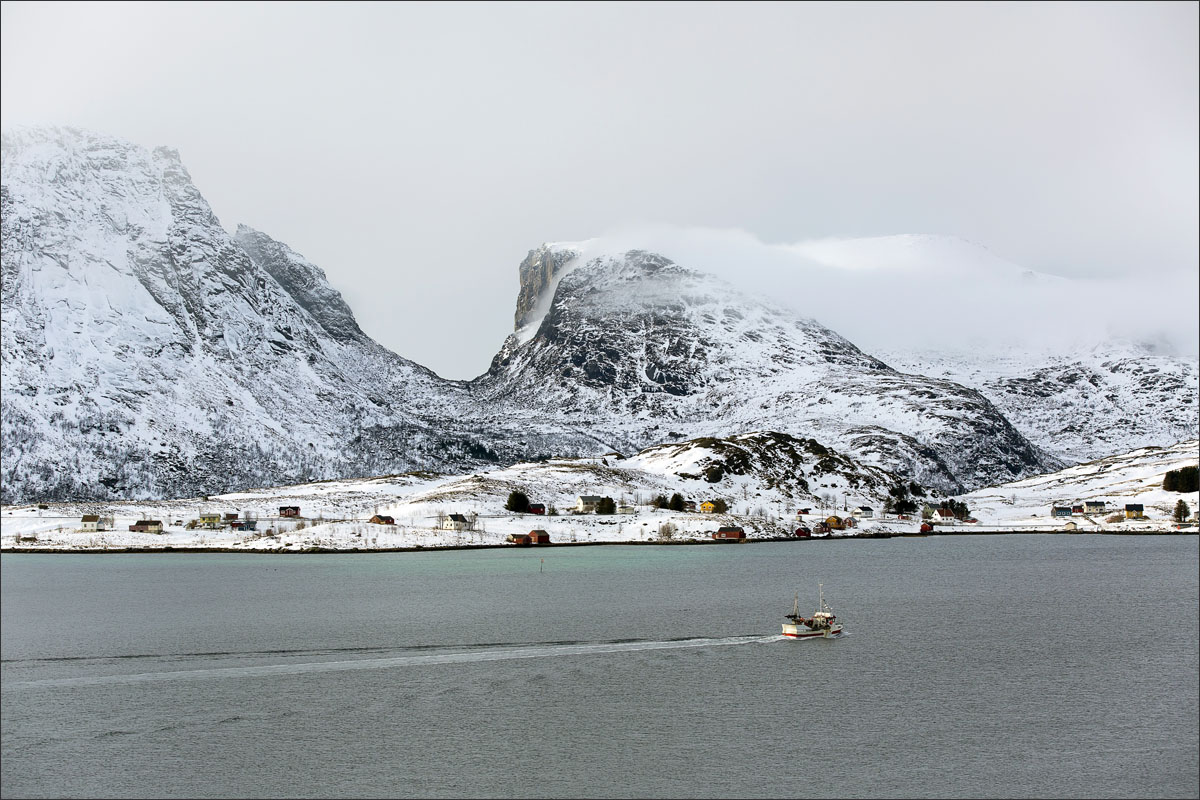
point(660, 501)
point(1181, 511)
point(720, 506)
point(676, 503)
point(606, 506)
point(517, 502)
point(666, 531)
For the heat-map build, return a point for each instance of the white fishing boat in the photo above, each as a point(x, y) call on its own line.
point(822, 623)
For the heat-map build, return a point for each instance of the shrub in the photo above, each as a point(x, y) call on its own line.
point(606, 506)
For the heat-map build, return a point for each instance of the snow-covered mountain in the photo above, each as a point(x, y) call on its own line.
point(1081, 405)
point(640, 350)
point(147, 352)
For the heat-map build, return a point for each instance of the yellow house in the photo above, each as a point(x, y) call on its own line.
point(209, 521)
point(708, 507)
point(1133, 511)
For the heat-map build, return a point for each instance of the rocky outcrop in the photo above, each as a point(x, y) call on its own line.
point(537, 273)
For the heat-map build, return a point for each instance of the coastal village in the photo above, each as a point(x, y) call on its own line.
point(375, 515)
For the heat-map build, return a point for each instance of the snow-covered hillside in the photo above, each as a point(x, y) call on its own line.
point(1083, 404)
point(762, 498)
point(1133, 477)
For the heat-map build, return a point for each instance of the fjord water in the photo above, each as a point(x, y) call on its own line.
point(985, 666)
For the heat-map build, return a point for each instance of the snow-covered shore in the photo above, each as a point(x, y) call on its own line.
point(334, 515)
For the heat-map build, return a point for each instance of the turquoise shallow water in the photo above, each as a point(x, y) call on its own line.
point(999, 666)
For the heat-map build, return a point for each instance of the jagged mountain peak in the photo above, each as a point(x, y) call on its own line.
point(304, 281)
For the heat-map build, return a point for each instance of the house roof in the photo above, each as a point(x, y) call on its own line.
point(148, 522)
point(91, 518)
point(1133, 506)
point(457, 518)
point(539, 532)
point(590, 498)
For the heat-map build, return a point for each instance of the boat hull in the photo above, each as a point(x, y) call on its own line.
point(804, 632)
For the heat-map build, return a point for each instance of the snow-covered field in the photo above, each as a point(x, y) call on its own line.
point(335, 514)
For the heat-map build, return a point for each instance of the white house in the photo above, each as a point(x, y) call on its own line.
point(587, 503)
point(864, 512)
point(455, 522)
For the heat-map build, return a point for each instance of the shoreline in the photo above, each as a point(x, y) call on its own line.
point(318, 550)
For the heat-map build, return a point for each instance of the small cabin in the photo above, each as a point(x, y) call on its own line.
point(803, 511)
point(708, 507)
point(587, 503)
point(89, 523)
point(539, 537)
point(1093, 507)
point(689, 505)
point(946, 515)
point(1077, 510)
point(519, 538)
point(1133, 511)
point(1070, 526)
point(626, 509)
point(381, 519)
point(802, 532)
point(289, 511)
point(455, 522)
point(850, 522)
point(230, 516)
point(537, 508)
point(864, 512)
point(147, 526)
point(1060, 511)
point(834, 523)
point(730, 533)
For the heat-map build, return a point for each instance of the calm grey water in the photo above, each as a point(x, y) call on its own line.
point(990, 666)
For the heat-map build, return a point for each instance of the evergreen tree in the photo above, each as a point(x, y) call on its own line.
point(660, 501)
point(606, 506)
point(676, 503)
point(1184, 479)
point(1182, 511)
point(518, 502)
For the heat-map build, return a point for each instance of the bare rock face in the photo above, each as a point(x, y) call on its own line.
point(538, 271)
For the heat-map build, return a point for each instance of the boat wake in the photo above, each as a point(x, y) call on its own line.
point(467, 654)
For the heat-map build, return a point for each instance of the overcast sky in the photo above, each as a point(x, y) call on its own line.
point(416, 152)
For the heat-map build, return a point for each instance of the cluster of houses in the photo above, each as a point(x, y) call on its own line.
point(533, 537)
point(1097, 507)
point(590, 504)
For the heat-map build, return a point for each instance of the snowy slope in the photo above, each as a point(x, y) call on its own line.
point(1133, 477)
